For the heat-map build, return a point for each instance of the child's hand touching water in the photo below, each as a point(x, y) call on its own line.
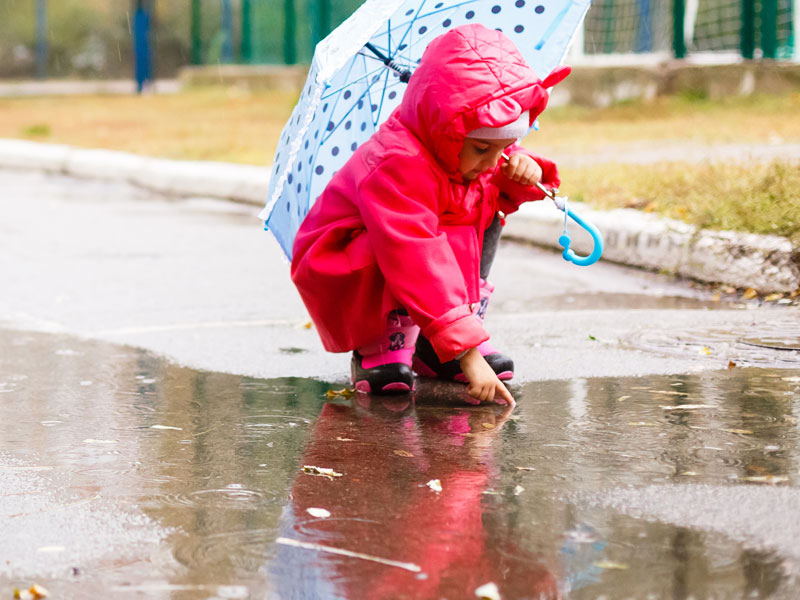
point(521, 168)
point(483, 382)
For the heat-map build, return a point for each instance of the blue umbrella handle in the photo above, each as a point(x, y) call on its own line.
point(564, 240)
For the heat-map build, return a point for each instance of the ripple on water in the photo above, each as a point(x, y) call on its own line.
point(228, 498)
point(243, 551)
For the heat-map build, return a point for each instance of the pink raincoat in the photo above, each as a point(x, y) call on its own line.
point(398, 226)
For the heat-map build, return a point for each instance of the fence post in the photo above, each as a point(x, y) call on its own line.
point(246, 41)
point(678, 39)
point(196, 27)
point(143, 69)
point(796, 30)
point(748, 35)
point(226, 52)
point(769, 28)
point(320, 21)
point(644, 30)
point(289, 33)
point(41, 39)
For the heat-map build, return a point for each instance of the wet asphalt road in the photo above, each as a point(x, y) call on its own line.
point(160, 398)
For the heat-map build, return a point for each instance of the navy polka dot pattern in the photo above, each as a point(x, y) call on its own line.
point(340, 109)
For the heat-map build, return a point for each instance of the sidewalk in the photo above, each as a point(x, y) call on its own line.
point(72, 87)
point(766, 263)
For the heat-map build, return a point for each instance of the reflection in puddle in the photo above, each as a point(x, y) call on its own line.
point(191, 484)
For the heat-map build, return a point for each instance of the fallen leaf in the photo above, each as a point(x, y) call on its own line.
point(773, 297)
point(689, 473)
point(716, 297)
point(623, 398)
point(750, 293)
point(607, 564)
point(307, 325)
point(591, 337)
point(404, 453)
point(772, 479)
point(487, 425)
point(344, 392)
point(320, 513)
point(705, 350)
point(518, 490)
point(488, 591)
point(33, 593)
point(320, 471)
point(731, 364)
point(435, 485)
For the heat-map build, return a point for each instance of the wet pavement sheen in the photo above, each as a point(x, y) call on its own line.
point(126, 476)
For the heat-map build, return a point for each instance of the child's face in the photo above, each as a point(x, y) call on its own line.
point(479, 155)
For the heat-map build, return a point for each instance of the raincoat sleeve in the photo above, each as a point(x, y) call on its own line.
point(512, 194)
point(399, 205)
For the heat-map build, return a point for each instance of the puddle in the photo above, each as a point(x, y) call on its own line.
point(775, 345)
point(163, 482)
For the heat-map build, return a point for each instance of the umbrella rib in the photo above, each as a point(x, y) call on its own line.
point(550, 30)
point(353, 107)
point(366, 76)
point(383, 95)
point(419, 16)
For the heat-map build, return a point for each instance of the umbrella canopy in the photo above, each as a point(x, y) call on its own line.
point(357, 78)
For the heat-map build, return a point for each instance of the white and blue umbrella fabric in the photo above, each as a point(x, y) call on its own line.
point(357, 76)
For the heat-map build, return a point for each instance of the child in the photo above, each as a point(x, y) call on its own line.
point(394, 254)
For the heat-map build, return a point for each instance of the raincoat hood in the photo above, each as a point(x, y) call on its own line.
point(468, 78)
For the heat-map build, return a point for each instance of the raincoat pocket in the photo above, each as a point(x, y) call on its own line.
point(359, 251)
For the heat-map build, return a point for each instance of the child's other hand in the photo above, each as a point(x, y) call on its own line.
point(483, 382)
point(522, 169)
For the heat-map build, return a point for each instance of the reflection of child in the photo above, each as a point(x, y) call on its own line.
point(382, 507)
point(404, 235)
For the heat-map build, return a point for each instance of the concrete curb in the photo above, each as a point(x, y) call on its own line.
point(766, 263)
point(240, 183)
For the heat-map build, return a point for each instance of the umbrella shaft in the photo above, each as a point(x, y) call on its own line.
point(404, 73)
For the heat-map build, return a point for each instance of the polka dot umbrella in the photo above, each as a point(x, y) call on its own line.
point(357, 78)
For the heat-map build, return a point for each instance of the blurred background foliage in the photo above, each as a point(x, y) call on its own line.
point(89, 38)
point(93, 38)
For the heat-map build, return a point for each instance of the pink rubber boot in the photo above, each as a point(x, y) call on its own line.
point(384, 366)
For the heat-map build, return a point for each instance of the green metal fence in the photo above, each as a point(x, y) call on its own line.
point(750, 28)
point(92, 38)
point(265, 31)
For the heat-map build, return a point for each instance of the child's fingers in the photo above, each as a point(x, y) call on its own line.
point(503, 396)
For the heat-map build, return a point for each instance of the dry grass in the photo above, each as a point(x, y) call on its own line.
point(758, 198)
point(238, 126)
point(206, 124)
point(753, 119)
